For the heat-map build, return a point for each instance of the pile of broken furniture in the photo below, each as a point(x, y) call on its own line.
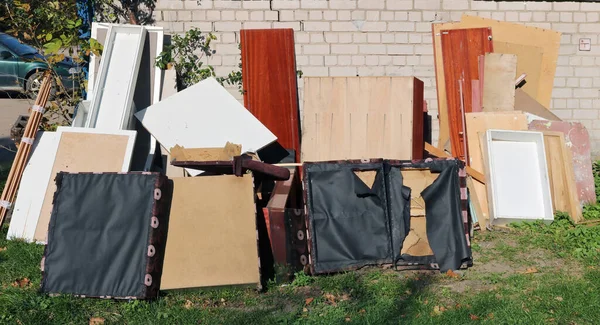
point(153, 189)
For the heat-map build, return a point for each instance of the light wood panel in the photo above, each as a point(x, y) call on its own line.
point(547, 40)
point(524, 102)
point(499, 83)
point(212, 233)
point(88, 151)
point(561, 175)
point(362, 118)
point(529, 61)
point(479, 123)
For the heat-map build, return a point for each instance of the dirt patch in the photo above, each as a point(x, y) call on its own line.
point(544, 259)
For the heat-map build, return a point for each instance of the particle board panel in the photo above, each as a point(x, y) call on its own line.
point(478, 123)
point(547, 40)
point(212, 233)
point(33, 187)
point(524, 102)
point(562, 176)
point(499, 83)
point(518, 186)
point(84, 150)
point(529, 61)
point(461, 49)
point(440, 81)
point(577, 140)
point(270, 82)
point(362, 118)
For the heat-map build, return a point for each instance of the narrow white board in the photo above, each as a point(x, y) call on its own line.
point(518, 186)
point(204, 115)
point(117, 78)
point(33, 187)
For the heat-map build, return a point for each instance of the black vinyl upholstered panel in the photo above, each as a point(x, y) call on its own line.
point(107, 235)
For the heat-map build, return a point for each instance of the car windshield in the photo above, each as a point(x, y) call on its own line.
point(17, 47)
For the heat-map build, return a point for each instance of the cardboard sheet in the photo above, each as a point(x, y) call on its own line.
point(212, 233)
point(499, 82)
point(84, 150)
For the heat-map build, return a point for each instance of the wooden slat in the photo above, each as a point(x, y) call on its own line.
point(479, 123)
point(362, 117)
point(561, 175)
point(529, 61)
point(269, 79)
point(475, 96)
point(461, 49)
point(499, 84)
point(476, 202)
point(547, 40)
point(442, 154)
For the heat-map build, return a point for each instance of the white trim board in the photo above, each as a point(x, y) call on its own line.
point(204, 115)
point(518, 185)
point(32, 190)
point(117, 77)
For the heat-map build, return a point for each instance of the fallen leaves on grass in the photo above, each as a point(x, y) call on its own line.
point(474, 317)
point(348, 319)
point(437, 310)
point(362, 311)
point(559, 298)
point(21, 283)
point(530, 270)
point(96, 321)
point(451, 274)
point(330, 298)
point(188, 304)
point(2, 249)
point(307, 301)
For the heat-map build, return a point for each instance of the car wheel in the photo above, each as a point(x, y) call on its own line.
point(34, 83)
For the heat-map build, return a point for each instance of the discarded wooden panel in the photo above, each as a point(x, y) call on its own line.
point(270, 82)
point(204, 115)
point(168, 169)
point(33, 187)
point(479, 123)
point(529, 61)
point(578, 140)
point(179, 153)
point(416, 242)
point(525, 103)
point(212, 233)
point(476, 204)
point(84, 150)
point(476, 99)
point(442, 154)
point(362, 118)
point(518, 185)
point(461, 49)
point(440, 79)
point(547, 40)
point(499, 84)
point(562, 176)
point(367, 176)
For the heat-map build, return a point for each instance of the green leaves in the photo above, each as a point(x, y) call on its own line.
point(48, 37)
point(53, 46)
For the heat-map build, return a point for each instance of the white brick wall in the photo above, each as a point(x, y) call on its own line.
point(393, 37)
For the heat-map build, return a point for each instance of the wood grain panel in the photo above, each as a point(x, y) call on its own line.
point(499, 84)
point(461, 49)
point(561, 175)
point(362, 117)
point(529, 61)
point(547, 40)
point(478, 123)
point(270, 84)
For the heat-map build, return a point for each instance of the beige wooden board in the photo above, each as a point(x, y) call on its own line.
point(444, 133)
point(416, 242)
point(84, 152)
point(367, 176)
point(547, 40)
point(529, 61)
point(357, 117)
point(524, 102)
point(476, 203)
point(212, 233)
point(561, 175)
point(499, 82)
point(479, 123)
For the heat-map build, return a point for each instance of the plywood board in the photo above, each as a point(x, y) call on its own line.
point(499, 82)
point(529, 61)
point(480, 123)
point(525, 103)
point(85, 150)
point(440, 80)
point(362, 118)
point(270, 82)
point(577, 139)
point(461, 49)
point(547, 40)
point(204, 115)
point(111, 104)
point(230, 150)
point(212, 233)
point(33, 187)
point(562, 176)
point(518, 185)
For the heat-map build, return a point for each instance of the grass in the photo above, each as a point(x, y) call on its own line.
point(533, 274)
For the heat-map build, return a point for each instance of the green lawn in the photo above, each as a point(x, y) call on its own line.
point(533, 274)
